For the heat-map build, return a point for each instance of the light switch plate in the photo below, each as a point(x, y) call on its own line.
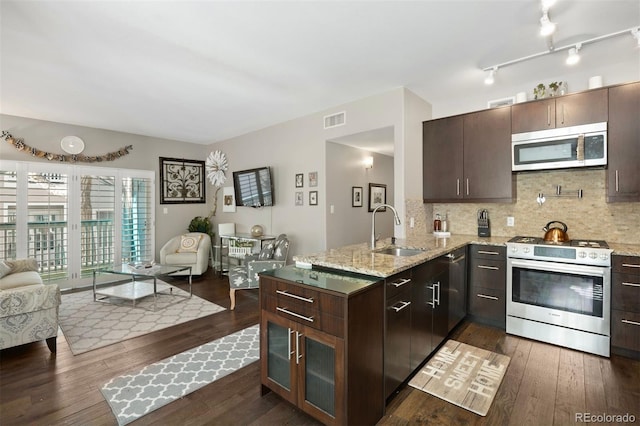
point(511, 221)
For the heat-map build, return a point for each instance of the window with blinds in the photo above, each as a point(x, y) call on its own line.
point(97, 226)
point(8, 193)
point(137, 206)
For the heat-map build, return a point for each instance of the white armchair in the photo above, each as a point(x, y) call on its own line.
point(190, 249)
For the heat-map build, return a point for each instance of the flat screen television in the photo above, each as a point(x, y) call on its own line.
point(254, 187)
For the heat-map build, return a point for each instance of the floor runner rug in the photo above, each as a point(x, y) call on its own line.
point(463, 375)
point(89, 325)
point(131, 396)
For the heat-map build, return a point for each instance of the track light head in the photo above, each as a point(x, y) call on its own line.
point(636, 34)
point(574, 57)
point(546, 26)
point(490, 78)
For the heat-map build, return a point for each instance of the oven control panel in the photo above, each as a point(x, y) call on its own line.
point(563, 254)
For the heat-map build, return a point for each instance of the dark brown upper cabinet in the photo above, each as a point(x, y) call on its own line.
point(563, 111)
point(468, 158)
point(623, 143)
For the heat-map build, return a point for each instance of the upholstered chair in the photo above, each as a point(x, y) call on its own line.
point(190, 249)
point(272, 256)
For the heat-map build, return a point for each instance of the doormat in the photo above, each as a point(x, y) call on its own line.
point(463, 375)
point(131, 396)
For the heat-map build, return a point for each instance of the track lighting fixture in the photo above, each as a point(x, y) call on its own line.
point(490, 78)
point(546, 26)
point(574, 57)
point(572, 48)
point(636, 33)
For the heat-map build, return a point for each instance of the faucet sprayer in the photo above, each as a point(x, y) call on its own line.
point(373, 222)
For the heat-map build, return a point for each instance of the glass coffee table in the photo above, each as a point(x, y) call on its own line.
point(143, 282)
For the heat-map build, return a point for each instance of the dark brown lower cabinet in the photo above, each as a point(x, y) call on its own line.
point(322, 350)
point(625, 306)
point(487, 284)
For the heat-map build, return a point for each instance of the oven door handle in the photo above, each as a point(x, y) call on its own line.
point(563, 268)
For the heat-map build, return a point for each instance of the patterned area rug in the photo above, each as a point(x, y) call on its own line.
point(89, 325)
point(463, 375)
point(133, 395)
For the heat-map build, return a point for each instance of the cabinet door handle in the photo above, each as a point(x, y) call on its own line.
point(493, 253)
point(617, 182)
point(631, 284)
point(493, 268)
point(467, 186)
point(458, 186)
point(630, 265)
point(562, 114)
point(484, 296)
point(548, 115)
point(401, 307)
point(289, 345)
point(400, 282)
point(629, 322)
point(286, 311)
point(295, 296)
point(298, 354)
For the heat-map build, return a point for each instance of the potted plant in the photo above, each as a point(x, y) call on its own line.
point(200, 224)
point(539, 91)
point(554, 87)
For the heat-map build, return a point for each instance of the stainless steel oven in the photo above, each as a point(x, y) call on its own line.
point(560, 293)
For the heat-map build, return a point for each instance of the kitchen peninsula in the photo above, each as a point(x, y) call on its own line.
point(354, 317)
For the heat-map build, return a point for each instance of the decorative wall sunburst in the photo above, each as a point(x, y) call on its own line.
point(216, 166)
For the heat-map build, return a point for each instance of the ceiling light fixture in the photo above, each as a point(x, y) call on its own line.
point(635, 32)
point(546, 4)
point(574, 57)
point(546, 26)
point(490, 78)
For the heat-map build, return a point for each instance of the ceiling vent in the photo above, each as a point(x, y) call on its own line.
point(335, 120)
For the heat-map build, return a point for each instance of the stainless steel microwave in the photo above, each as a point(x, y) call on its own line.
point(565, 147)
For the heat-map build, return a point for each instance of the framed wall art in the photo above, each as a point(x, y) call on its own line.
point(181, 181)
point(299, 198)
point(377, 196)
point(299, 180)
point(313, 198)
point(313, 178)
point(356, 196)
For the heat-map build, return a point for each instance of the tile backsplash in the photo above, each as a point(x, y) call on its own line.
point(589, 217)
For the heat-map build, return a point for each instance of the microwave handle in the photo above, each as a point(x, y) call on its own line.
point(580, 148)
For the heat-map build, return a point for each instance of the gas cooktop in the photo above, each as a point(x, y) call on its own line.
point(572, 243)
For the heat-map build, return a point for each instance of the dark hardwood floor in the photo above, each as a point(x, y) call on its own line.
point(544, 384)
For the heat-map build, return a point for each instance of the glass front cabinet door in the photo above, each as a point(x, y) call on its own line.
point(304, 366)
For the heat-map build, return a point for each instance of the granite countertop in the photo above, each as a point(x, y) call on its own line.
point(359, 258)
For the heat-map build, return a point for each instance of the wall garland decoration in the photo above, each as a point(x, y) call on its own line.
point(19, 144)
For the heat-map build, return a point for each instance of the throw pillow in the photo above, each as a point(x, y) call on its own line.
point(189, 243)
point(4, 269)
point(267, 251)
point(22, 265)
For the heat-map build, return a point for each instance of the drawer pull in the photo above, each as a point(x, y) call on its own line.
point(631, 284)
point(630, 265)
point(286, 311)
point(492, 253)
point(295, 296)
point(630, 322)
point(400, 282)
point(484, 296)
point(401, 307)
point(493, 268)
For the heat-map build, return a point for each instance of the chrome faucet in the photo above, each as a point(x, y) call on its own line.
point(373, 222)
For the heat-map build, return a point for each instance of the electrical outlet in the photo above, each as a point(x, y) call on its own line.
point(412, 222)
point(511, 221)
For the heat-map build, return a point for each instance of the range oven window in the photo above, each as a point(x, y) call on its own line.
point(580, 294)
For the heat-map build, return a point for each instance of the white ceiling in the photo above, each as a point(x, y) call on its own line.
point(204, 71)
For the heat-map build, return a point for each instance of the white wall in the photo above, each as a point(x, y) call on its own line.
point(299, 146)
point(351, 225)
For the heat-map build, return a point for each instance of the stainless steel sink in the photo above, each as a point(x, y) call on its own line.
point(399, 251)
